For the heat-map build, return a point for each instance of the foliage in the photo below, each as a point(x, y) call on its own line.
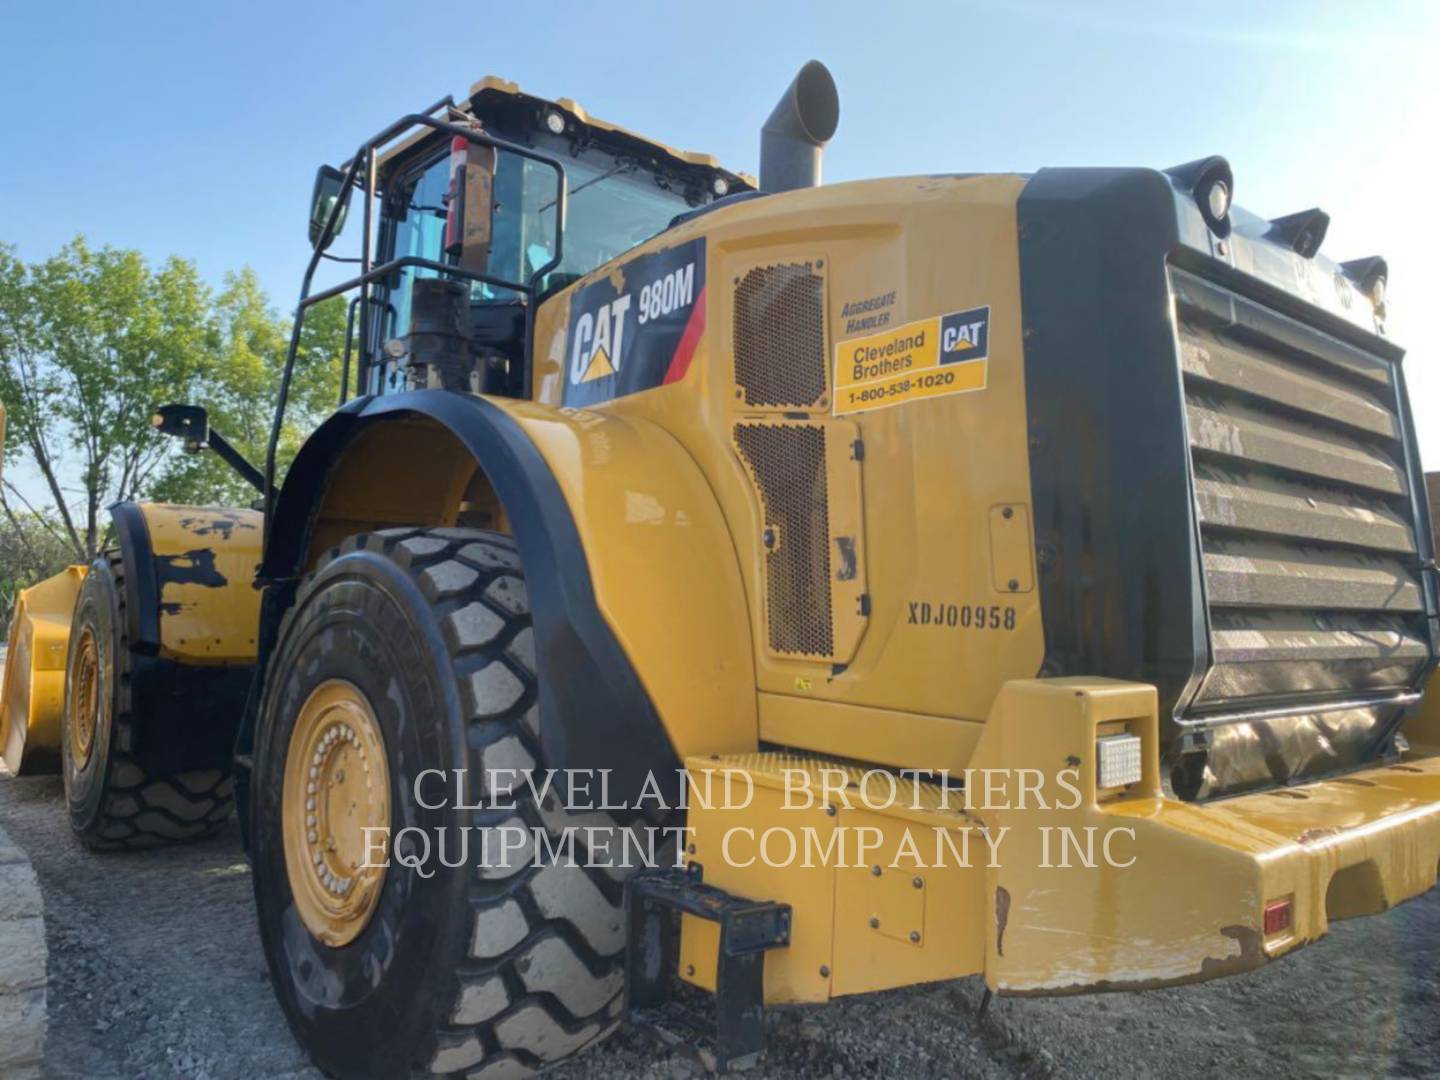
point(93, 340)
point(88, 341)
point(248, 346)
point(32, 548)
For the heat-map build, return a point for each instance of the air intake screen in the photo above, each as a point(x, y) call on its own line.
point(788, 464)
point(780, 335)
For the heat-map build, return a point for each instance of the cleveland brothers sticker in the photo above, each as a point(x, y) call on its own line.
point(945, 354)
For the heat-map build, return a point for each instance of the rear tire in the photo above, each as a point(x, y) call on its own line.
point(113, 803)
point(491, 967)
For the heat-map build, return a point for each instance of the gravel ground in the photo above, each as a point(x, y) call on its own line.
point(156, 971)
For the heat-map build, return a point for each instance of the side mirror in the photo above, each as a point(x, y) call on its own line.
point(329, 188)
point(189, 423)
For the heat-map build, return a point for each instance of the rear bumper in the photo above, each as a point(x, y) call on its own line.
point(1353, 845)
point(1057, 888)
point(1185, 895)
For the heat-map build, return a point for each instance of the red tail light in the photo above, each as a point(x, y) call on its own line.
point(1277, 917)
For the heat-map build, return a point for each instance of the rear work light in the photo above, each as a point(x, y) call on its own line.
point(1117, 760)
point(1277, 917)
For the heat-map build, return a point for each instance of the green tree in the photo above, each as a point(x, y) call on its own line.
point(32, 548)
point(90, 341)
point(242, 380)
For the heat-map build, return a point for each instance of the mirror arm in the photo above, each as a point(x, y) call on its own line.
point(191, 425)
point(237, 461)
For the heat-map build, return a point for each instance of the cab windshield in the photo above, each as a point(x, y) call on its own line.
point(614, 204)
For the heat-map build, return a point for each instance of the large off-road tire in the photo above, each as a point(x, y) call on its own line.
point(113, 803)
point(420, 643)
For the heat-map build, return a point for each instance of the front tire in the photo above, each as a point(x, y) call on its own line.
point(113, 802)
point(470, 964)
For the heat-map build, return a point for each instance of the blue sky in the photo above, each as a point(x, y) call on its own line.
point(196, 128)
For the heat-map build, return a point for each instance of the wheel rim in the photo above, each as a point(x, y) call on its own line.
point(337, 785)
point(85, 700)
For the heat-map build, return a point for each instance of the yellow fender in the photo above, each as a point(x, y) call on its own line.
point(191, 601)
point(34, 691)
point(190, 580)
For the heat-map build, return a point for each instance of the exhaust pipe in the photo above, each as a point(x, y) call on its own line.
point(793, 138)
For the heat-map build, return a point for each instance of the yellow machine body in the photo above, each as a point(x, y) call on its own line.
point(661, 492)
point(923, 637)
point(690, 518)
point(189, 573)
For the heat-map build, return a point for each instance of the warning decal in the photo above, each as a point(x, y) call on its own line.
point(945, 354)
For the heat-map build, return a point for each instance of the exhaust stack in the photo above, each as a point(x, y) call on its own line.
point(793, 138)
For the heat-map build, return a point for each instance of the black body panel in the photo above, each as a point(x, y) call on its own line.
point(1139, 421)
point(1109, 469)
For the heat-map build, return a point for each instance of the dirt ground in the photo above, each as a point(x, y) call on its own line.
point(156, 971)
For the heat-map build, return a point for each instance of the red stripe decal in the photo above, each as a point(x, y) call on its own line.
point(685, 351)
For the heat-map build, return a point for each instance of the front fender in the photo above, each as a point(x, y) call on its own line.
point(190, 580)
point(641, 631)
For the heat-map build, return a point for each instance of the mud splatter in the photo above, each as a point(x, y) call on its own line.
point(1250, 956)
point(1002, 917)
point(220, 523)
point(192, 568)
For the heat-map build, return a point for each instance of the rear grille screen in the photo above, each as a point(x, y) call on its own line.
point(787, 462)
point(1307, 537)
point(780, 335)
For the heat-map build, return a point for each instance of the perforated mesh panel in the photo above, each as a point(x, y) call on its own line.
point(780, 335)
point(788, 463)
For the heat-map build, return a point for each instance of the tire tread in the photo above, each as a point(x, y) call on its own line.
point(139, 810)
point(514, 926)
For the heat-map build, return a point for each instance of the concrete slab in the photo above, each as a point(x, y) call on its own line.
point(22, 965)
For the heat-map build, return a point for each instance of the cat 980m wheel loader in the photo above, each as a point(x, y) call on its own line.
point(1072, 521)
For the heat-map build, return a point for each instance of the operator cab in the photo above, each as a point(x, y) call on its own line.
point(491, 211)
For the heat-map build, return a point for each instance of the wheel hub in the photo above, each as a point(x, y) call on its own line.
point(85, 699)
point(337, 789)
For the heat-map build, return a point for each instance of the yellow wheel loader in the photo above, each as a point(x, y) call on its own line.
point(1031, 575)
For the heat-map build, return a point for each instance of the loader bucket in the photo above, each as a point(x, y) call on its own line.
point(33, 695)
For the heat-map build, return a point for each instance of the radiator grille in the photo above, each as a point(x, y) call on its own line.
point(780, 335)
point(1306, 526)
point(787, 462)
